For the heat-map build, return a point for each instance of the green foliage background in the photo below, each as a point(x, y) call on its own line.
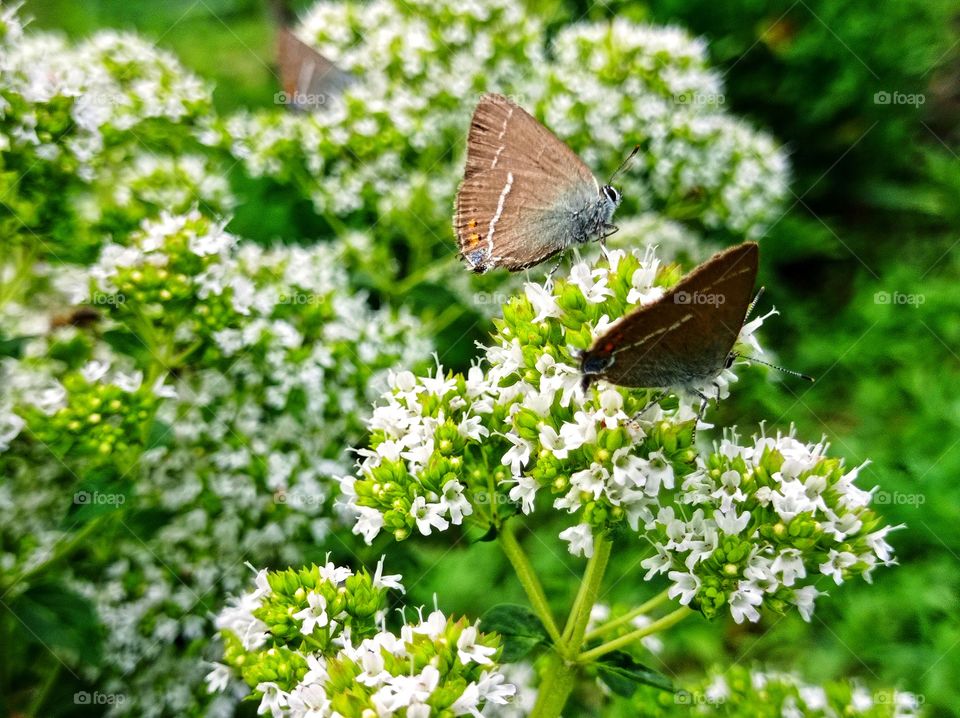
point(875, 211)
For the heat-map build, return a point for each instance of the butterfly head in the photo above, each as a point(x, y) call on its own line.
point(592, 365)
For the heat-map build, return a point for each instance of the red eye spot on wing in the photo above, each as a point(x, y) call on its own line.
point(608, 347)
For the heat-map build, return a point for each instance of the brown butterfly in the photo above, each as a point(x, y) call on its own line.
point(525, 195)
point(310, 81)
point(685, 338)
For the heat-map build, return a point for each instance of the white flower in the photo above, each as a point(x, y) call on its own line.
point(525, 492)
point(685, 585)
point(518, 455)
point(390, 581)
point(580, 540)
point(469, 650)
point(314, 615)
point(218, 679)
point(427, 516)
point(368, 524)
point(743, 603)
point(454, 502)
point(835, 564)
point(544, 303)
point(275, 700)
point(804, 598)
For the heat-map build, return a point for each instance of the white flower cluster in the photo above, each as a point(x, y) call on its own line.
point(524, 418)
point(112, 81)
point(744, 526)
point(432, 664)
point(98, 121)
point(756, 523)
point(282, 363)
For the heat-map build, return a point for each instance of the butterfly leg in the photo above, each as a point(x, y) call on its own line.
point(608, 231)
point(555, 266)
point(657, 398)
point(704, 402)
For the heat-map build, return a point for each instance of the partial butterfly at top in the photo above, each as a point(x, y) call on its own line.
point(310, 81)
point(684, 339)
point(525, 195)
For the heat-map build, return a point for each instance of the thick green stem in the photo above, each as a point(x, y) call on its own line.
point(559, 679)
point(587, 595)
point(528, 579)
point(641, 610)
point(659, 625)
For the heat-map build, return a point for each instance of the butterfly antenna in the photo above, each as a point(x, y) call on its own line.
point(753, 304)
point(791, 372)
point(625, 164)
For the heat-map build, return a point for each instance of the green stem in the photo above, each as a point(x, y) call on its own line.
point(659, 625)
point(587, 595)
point(528, 579)
point(559, 678)
point(641, 610)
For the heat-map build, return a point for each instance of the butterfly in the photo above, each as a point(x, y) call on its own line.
point(525, 195)
point(684, 339)
point(309, 80)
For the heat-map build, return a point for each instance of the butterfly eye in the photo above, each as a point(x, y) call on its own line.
point(611, 193)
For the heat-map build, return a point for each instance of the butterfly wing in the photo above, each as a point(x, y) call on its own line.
point(520, 189)
point(684, 337)
point(308, 78)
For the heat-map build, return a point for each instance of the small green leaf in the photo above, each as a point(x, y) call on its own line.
point(623, 674)
point(518, 625)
